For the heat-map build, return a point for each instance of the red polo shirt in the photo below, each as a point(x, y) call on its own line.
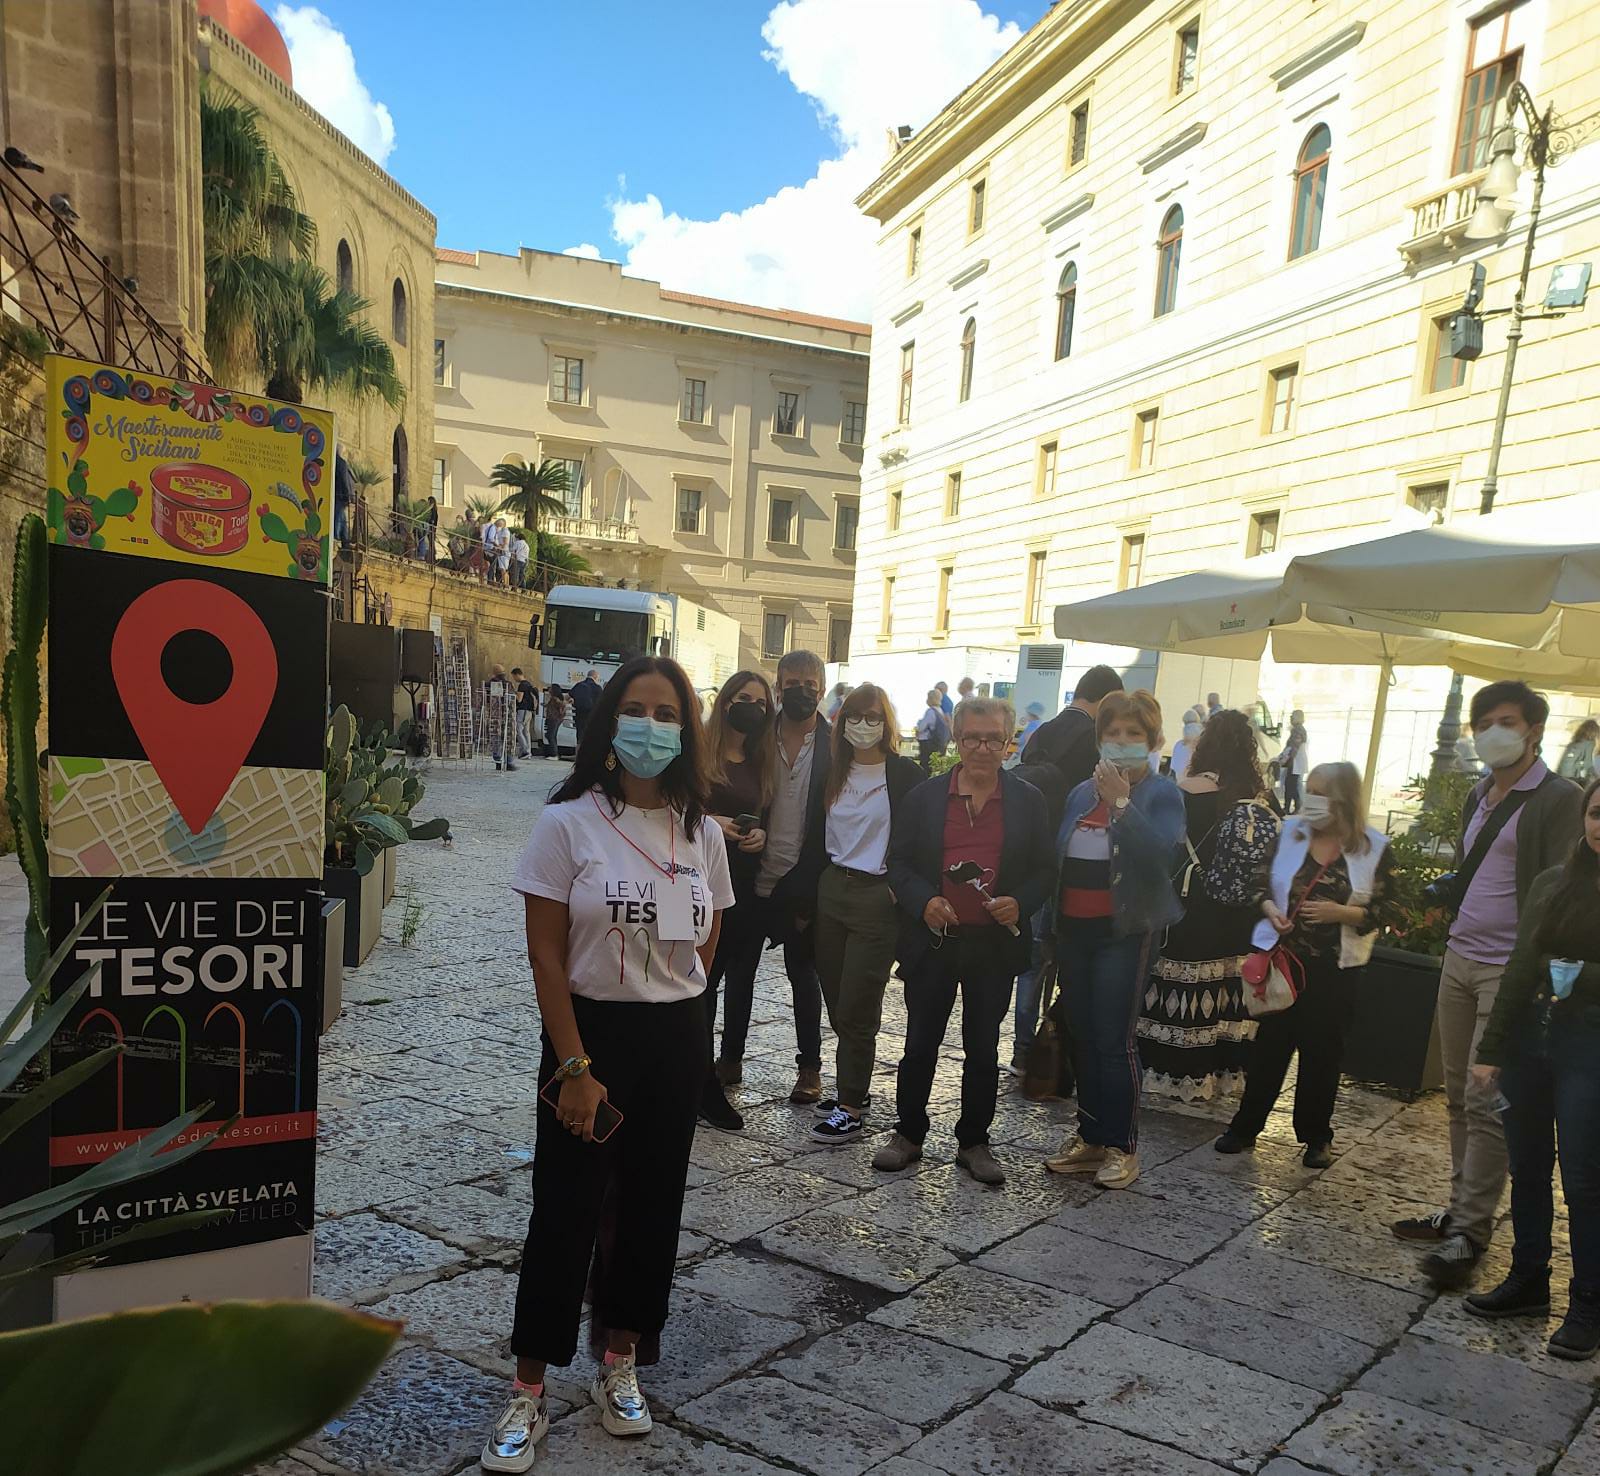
point(971, 835)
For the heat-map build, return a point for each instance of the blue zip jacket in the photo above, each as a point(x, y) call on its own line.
point(1144, 853)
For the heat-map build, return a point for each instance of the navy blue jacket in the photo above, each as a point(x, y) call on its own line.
point(917, 861)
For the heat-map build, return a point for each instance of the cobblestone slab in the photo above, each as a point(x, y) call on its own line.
point(1381, 1258)
point(579, 1445)
point(1274, 1165)
point(344, 1186)
point(359, 1256)
point(891, 1260)
point(1128, 1220)
point(731, 1153)
point(1007, 1436)
point(1188, 1189)
point(912, 1378)
point(736, 1208)
point(813, 1431)
point(1109, 1274)
point(1366, 1433)
point(470, 1313)
point(1521, 1339)
point(1161, 1390)
point(438, 1156)
point(1357, 1308)
point(991, 1314)
point(484, 1215)
point(944, 1204)
point(776, 1289)
point(343, 1129)
point(1269, 1343)
point(1583, 1455)
point(1482, 1389)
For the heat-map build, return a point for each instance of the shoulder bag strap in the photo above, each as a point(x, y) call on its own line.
point(1491, 830)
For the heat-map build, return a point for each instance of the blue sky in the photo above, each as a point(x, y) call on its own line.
point(562, 124)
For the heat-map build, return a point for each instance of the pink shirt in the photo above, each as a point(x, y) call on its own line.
point(1485, 929)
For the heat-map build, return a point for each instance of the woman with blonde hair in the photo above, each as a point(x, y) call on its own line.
point(1323, 896)
point(845, 866)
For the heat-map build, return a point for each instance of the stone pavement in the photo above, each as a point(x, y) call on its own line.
point(1236, 1314)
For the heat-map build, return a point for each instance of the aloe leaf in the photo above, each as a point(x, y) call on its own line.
point(54, 1086)
point(39, 987)
point(82, 1260)
point(434, 829)
point(14, 1057)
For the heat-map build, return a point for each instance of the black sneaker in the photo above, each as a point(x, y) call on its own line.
point(1521, 1294)
point(718, 1112)
point(1317, 1156)
point(1434, 1227)
point(839, 1127)
point(1578, 1337)
point(1232, 1142)
point(829, 1105)
point(1451, 1266)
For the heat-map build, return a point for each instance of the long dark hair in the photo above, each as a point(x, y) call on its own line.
point(864, 699)
point(760, 748)
point(1226, 747)
point(683, 781)
point(1571, 925)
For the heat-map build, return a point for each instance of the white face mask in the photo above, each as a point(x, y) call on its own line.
point(1501, 747)
point(863, 733)
point(1316, 810)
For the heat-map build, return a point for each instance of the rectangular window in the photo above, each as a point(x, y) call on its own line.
point(1131, 572)
point(913, 250)
point(439, 477)
point(691, 505)
point(774, 634)
point(1282, 383)
point(941, 609)
point(1033, 590)
point(1078, 135)
point(438, 361)
point(693, 408)
point(780, 520)
point(891, 517)
point(1432, 498)
point(846, 520)
point(566, 380)
point(1445, 371)
point(908, 353)
point(1494, 58)
point(952, 495)
point(976, 205)
point(1144, 438)
point(853, 428)
point(1188, 58)
point(838, 638)
point(786, 420)
point(573, 496)
point(886, 615)
point(1263, 534)
point(1046, 486)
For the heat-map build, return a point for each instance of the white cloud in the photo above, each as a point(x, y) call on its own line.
point(585, 249)
point(325, 76)
point(865, 71)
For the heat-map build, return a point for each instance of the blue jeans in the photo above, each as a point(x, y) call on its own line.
point(1025, 1021)
point(1553, 1086)
point(1102, 982)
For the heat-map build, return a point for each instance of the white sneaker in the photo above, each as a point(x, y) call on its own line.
point(1119, 1170)
point(1076, 1157)
point(616, 1390)
point(513, 1444)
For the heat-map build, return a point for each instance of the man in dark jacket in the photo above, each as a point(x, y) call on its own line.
point(584, 696)
point(952, 937)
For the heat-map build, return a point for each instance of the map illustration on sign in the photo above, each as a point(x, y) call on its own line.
point(140, 464)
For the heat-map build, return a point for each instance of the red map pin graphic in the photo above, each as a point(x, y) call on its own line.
point(197, 748)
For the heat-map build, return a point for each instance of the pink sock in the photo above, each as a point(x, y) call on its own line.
point(534, 1389)
point(613, 1357)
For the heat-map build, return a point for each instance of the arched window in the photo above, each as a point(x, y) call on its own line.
point(344, 269)
point(399, 311)
point(400, 472)
point(1169, 248)
point(1310, 191)
point(969, 347)
point(1066, 308)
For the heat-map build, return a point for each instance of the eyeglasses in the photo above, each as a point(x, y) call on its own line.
point(972, 742)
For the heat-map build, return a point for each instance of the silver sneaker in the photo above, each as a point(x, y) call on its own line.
point(514, 1442)
point(622, 1407)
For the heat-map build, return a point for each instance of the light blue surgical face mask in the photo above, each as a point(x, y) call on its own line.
point(644, 746)
point(1563, 975)
point(1126, 755)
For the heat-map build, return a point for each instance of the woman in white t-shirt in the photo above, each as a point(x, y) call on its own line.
point(857, 925)
point(624, 878)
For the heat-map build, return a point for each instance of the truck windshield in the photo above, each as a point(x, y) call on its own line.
point(576, 634)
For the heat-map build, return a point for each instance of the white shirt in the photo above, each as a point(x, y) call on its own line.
point(786, 821)
point(1180, 757)
point(579, 853)
point(858, 820)
point(519, 550)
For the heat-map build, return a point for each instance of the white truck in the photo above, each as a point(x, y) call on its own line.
point(588, 629)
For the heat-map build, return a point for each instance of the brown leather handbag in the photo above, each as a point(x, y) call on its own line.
point(1049, 1057)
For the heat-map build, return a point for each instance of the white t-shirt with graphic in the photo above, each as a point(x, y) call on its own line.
point(858, 820)
point(579, 853)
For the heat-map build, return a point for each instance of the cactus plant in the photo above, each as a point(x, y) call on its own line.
point(20, 703)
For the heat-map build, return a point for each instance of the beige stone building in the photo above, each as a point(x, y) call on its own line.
point(714, 448)
point(1168, 286)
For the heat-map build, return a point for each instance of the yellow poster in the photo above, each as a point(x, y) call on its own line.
point(141, 464)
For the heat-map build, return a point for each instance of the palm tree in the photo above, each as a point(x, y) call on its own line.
point(554, 558)
point(318, 340)
point(536, 491)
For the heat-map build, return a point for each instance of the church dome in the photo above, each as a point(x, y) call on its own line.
point(253, 29)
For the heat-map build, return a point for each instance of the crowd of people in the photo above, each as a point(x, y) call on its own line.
point(1174, 931)
point(509, 712)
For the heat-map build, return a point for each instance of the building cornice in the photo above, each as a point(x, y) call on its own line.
point(1179, 143)
point(1070, 211)
point(969, 273)
point(1319, 55)
point(906, 314)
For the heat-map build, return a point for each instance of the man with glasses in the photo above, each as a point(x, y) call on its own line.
point(989, 824)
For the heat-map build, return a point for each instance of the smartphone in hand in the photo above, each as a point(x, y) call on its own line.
point(744, 824)
point(606, 1117)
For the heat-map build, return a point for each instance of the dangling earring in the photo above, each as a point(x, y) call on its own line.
point(611, 759)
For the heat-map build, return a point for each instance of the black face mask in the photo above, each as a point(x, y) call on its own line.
point(748, 717)
point(798, 703)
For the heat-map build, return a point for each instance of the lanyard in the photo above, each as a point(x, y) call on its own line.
point(669, 871)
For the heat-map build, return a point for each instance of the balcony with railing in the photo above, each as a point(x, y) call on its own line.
point(595, 530)
point(1439, 219)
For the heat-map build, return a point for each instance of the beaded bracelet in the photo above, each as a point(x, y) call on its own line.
point(572, 1066)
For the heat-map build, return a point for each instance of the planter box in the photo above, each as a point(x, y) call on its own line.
point(389, 860)
point(333, 915)
point(363, 909)
point(1392, 1039)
